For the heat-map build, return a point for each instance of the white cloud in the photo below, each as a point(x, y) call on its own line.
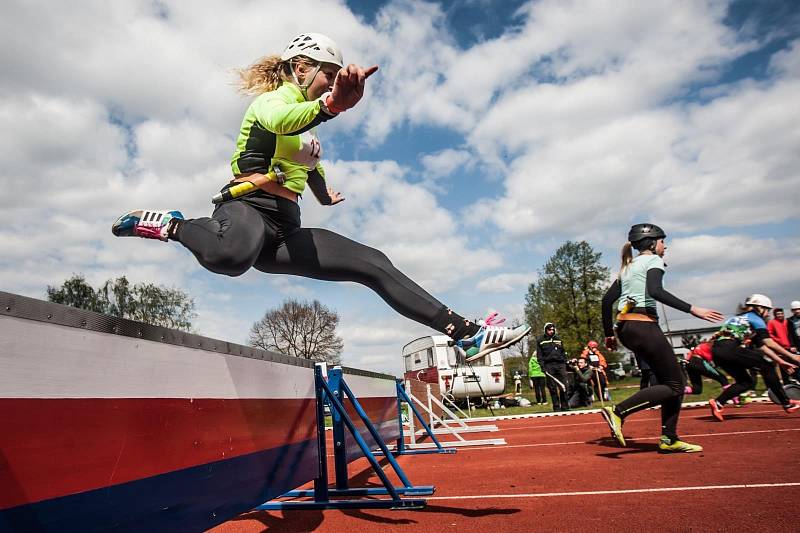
point(507, 282)
point(591, 116)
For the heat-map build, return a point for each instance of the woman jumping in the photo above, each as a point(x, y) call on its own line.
point(278, 149)
point(731, 354)
point(638, 288)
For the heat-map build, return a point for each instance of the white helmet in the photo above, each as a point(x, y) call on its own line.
point(794, 305)
point(759, 299)
point(316, 46)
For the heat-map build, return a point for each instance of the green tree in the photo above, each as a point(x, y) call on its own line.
point(145, 302)
point(300, 329)
point(568, 293)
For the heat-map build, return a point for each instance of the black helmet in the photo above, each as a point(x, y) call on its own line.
point(645, 231)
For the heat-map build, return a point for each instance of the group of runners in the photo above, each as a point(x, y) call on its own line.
point(278, 153)
point(741, 345)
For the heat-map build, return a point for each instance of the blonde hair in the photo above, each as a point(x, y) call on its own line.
point(268, 73)
point(626, 256)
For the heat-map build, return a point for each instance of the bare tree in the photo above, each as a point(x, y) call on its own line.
point(300, 329)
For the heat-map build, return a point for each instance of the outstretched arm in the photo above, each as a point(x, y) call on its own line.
point(656, 289)
point(778, 350)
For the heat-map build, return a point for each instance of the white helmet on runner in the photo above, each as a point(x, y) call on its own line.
point(794, 305)
point(760, 300)
point(315, 46)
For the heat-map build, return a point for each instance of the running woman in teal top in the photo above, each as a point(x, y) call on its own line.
point(279, 150)
point(637, 290)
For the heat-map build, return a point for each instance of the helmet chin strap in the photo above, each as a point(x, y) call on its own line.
point(308, 79)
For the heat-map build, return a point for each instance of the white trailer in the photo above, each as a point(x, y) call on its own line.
point(431, 359)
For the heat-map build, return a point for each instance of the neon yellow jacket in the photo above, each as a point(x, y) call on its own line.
point(279, 128)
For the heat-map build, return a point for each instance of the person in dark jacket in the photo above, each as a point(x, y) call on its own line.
point(553, 360)
point(794, 327)
point(582, 390)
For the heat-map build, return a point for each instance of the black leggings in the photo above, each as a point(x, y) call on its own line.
point(263, 231)
point(697, 368)
point(558, 389)
point(648, 343)
point(738, 361)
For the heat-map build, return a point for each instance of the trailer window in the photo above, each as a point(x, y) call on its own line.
point(407, 359)
point(451, 357)
point(430, 358)
point(417, 358)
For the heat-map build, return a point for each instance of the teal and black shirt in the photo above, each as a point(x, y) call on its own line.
point(641, 282)
point(279, 128)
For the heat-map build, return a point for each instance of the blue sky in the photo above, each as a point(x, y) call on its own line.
point(494, 132)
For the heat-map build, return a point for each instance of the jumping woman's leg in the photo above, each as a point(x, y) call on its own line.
point(325, 255)
point(647, 341)
point(227, 243)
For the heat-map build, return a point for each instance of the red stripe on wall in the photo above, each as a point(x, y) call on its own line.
point(56, 447)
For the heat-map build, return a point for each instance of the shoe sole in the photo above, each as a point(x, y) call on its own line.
point(506, 344)
point(607, 417)
point(668, 451)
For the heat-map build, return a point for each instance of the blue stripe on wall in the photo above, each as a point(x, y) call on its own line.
point(194, 499)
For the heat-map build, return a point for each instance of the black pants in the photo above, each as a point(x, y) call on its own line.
point(581, 395)
point(557, 385)
point(537, 384)
point(738, 362)
point(263, 231)
point(650, 346)
point(697, 368)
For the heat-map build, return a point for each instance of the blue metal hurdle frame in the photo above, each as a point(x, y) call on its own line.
point(402, 396)
point(332, 393)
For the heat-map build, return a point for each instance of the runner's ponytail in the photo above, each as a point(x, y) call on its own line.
point(626, 255)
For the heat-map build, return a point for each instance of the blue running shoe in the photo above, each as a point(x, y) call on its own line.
point(145, 224)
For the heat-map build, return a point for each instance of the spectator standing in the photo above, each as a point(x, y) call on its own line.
point(779, 332)
point(536, 376)
point(553, 359)
point(793, 328)
point(777, 328)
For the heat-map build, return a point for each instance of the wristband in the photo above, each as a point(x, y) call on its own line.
point(326, 102)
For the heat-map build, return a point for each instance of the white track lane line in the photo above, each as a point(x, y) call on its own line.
point(632, 440)
point(621, 491)
point(636, 419)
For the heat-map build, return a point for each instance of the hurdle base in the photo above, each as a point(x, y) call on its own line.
point(408, 503)
point(422, 490)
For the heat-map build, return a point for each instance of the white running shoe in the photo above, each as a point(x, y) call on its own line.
point(491, 338)
point(145, 224)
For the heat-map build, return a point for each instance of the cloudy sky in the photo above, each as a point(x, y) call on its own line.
point(494, 131)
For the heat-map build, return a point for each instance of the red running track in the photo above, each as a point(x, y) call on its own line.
point(566, 474)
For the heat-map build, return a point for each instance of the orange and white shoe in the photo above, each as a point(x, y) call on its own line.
point(716, 409)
